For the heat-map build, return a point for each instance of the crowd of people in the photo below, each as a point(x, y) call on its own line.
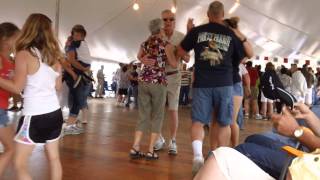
point(301, 82)
point(222, 88)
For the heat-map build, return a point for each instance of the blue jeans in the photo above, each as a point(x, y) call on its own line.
point(240, 119)
point(184, 95)
point(78, 99)
point(265, 153)
point(4, 118)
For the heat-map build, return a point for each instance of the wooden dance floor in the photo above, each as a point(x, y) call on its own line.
point(101, 153)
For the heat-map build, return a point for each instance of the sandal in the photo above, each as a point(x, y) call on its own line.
point(152, 156)
point(134, 154)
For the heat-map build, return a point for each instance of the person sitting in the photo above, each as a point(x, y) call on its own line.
point(227, 163)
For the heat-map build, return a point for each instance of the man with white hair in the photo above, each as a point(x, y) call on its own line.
point(173, 76)
point(213, 83)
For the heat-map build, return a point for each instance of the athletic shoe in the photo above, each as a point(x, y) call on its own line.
point(160, 143)
point(173, 150)
point(72, 130)
point(196, 165)
point(80, 129)
point(258, 117)
point(77, 82)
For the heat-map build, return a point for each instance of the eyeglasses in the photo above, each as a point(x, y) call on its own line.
point(168, 19)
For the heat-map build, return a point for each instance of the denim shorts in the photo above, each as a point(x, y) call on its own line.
point(237, 89)
point(207, 100)
point(4, 118)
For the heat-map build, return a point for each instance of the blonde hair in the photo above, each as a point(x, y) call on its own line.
point(37, 33)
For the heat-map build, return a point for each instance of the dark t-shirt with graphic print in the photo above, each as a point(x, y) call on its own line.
point(216, 50)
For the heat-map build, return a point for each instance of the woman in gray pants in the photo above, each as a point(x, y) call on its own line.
point(154, 53)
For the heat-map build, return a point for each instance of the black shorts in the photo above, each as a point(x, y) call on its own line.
point(39, 129)
point(123, 92)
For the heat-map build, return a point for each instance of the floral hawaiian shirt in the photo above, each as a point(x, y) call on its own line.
point(154, 47)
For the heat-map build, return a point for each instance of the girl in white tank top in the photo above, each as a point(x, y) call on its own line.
point(37, 73)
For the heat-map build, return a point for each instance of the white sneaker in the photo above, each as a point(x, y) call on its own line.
point(258, 117)
point(80, 129)
point(159, 144)
point(196, 165)
point(173, 150)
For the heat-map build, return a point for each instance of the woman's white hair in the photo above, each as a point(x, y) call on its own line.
point(155, 26)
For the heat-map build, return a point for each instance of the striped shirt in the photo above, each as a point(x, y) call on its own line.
point(185, 78)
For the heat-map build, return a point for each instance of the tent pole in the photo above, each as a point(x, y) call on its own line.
point(57, 18)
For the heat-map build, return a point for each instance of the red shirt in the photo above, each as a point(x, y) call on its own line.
point(254, 76)
point(6, 73)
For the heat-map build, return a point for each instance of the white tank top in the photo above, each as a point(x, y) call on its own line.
point(40, 96)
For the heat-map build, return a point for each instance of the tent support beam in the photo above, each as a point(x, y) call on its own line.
point(57, 17)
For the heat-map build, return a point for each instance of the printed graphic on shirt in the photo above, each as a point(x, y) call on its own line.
point(218, 44)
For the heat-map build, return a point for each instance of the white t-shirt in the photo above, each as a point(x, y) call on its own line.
point(242, 70)
point(83, 53)
point(175, 40)
point(286, 81)
point(299, 84)
point(123, 82)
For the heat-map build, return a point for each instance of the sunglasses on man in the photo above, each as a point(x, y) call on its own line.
point(168, 19)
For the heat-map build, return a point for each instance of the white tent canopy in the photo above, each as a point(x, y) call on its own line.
point(277, 28)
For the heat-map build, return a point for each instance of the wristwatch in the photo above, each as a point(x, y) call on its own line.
point(298, 132)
